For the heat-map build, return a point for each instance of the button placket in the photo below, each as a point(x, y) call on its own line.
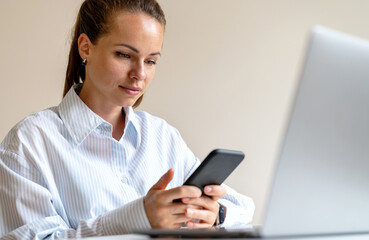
point(120, 162)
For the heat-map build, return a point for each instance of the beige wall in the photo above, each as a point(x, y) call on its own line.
point(226, 78)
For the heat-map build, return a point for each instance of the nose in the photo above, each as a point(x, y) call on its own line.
point(138, 71)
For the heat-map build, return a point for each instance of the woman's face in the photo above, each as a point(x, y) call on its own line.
point(122, 63)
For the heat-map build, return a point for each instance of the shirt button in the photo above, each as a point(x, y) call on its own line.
point(124, 179)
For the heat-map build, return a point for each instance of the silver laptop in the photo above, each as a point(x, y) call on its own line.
point(321, 181)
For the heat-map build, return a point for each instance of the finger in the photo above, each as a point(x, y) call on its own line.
point(204, 202)
point(163, 218)
point(179, 219)
point(183, 192)
point(164, 180)
point(193, 225)
point(178, 225)
point(172, 221)
point(215, 191)
point(180, 208)
point(205, 216)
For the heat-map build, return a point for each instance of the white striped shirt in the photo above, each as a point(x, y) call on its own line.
point(63, 175)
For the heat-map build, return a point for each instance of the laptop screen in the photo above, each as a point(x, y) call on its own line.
point(321, 180)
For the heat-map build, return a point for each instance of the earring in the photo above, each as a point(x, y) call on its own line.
point(84, 62)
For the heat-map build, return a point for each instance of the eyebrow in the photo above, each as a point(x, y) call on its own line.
point(135, 49)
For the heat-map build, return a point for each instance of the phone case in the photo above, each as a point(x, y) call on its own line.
point(216, 167)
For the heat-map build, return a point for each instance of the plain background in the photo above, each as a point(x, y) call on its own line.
point(226, 78)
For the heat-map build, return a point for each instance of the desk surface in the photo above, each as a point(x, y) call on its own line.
point(141, 237)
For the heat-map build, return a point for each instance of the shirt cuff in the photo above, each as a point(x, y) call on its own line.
point(237, 217)
point(125, 219)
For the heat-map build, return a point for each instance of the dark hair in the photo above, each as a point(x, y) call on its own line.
point(94, 19)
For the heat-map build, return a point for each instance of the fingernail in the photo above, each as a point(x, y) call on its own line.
point(209, 189)
point(185, 200)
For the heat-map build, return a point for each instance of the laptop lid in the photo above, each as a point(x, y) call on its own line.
point(321, 182)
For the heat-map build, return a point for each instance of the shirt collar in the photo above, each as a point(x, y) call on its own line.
point(80, 120)
point(131, 119)
point(77, 117)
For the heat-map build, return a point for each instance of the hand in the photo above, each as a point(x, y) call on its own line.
point(160, 209)
point(209, 207)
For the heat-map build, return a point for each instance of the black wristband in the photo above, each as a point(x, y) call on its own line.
point(221, 214)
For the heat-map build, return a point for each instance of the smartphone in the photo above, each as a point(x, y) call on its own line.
point(214, 170)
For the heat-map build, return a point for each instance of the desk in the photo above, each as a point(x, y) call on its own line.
point(141, 237)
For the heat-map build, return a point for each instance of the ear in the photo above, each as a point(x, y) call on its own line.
point(84, 46)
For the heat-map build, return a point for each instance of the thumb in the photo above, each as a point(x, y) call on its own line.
point(164, 180)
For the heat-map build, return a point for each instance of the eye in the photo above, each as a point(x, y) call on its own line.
point(150, 62)
point(123, 55)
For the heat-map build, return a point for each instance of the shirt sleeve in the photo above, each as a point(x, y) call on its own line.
point(240, 208)
point(28, 210)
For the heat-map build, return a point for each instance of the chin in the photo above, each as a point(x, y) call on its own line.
point(127, 103)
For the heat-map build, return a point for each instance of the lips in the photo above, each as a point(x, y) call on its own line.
point(131, 90)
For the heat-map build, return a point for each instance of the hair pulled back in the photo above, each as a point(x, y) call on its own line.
point(94, 19)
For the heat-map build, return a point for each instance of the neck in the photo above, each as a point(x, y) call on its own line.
point(112, 114)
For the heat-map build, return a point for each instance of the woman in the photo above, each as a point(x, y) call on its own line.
point(90, 166)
